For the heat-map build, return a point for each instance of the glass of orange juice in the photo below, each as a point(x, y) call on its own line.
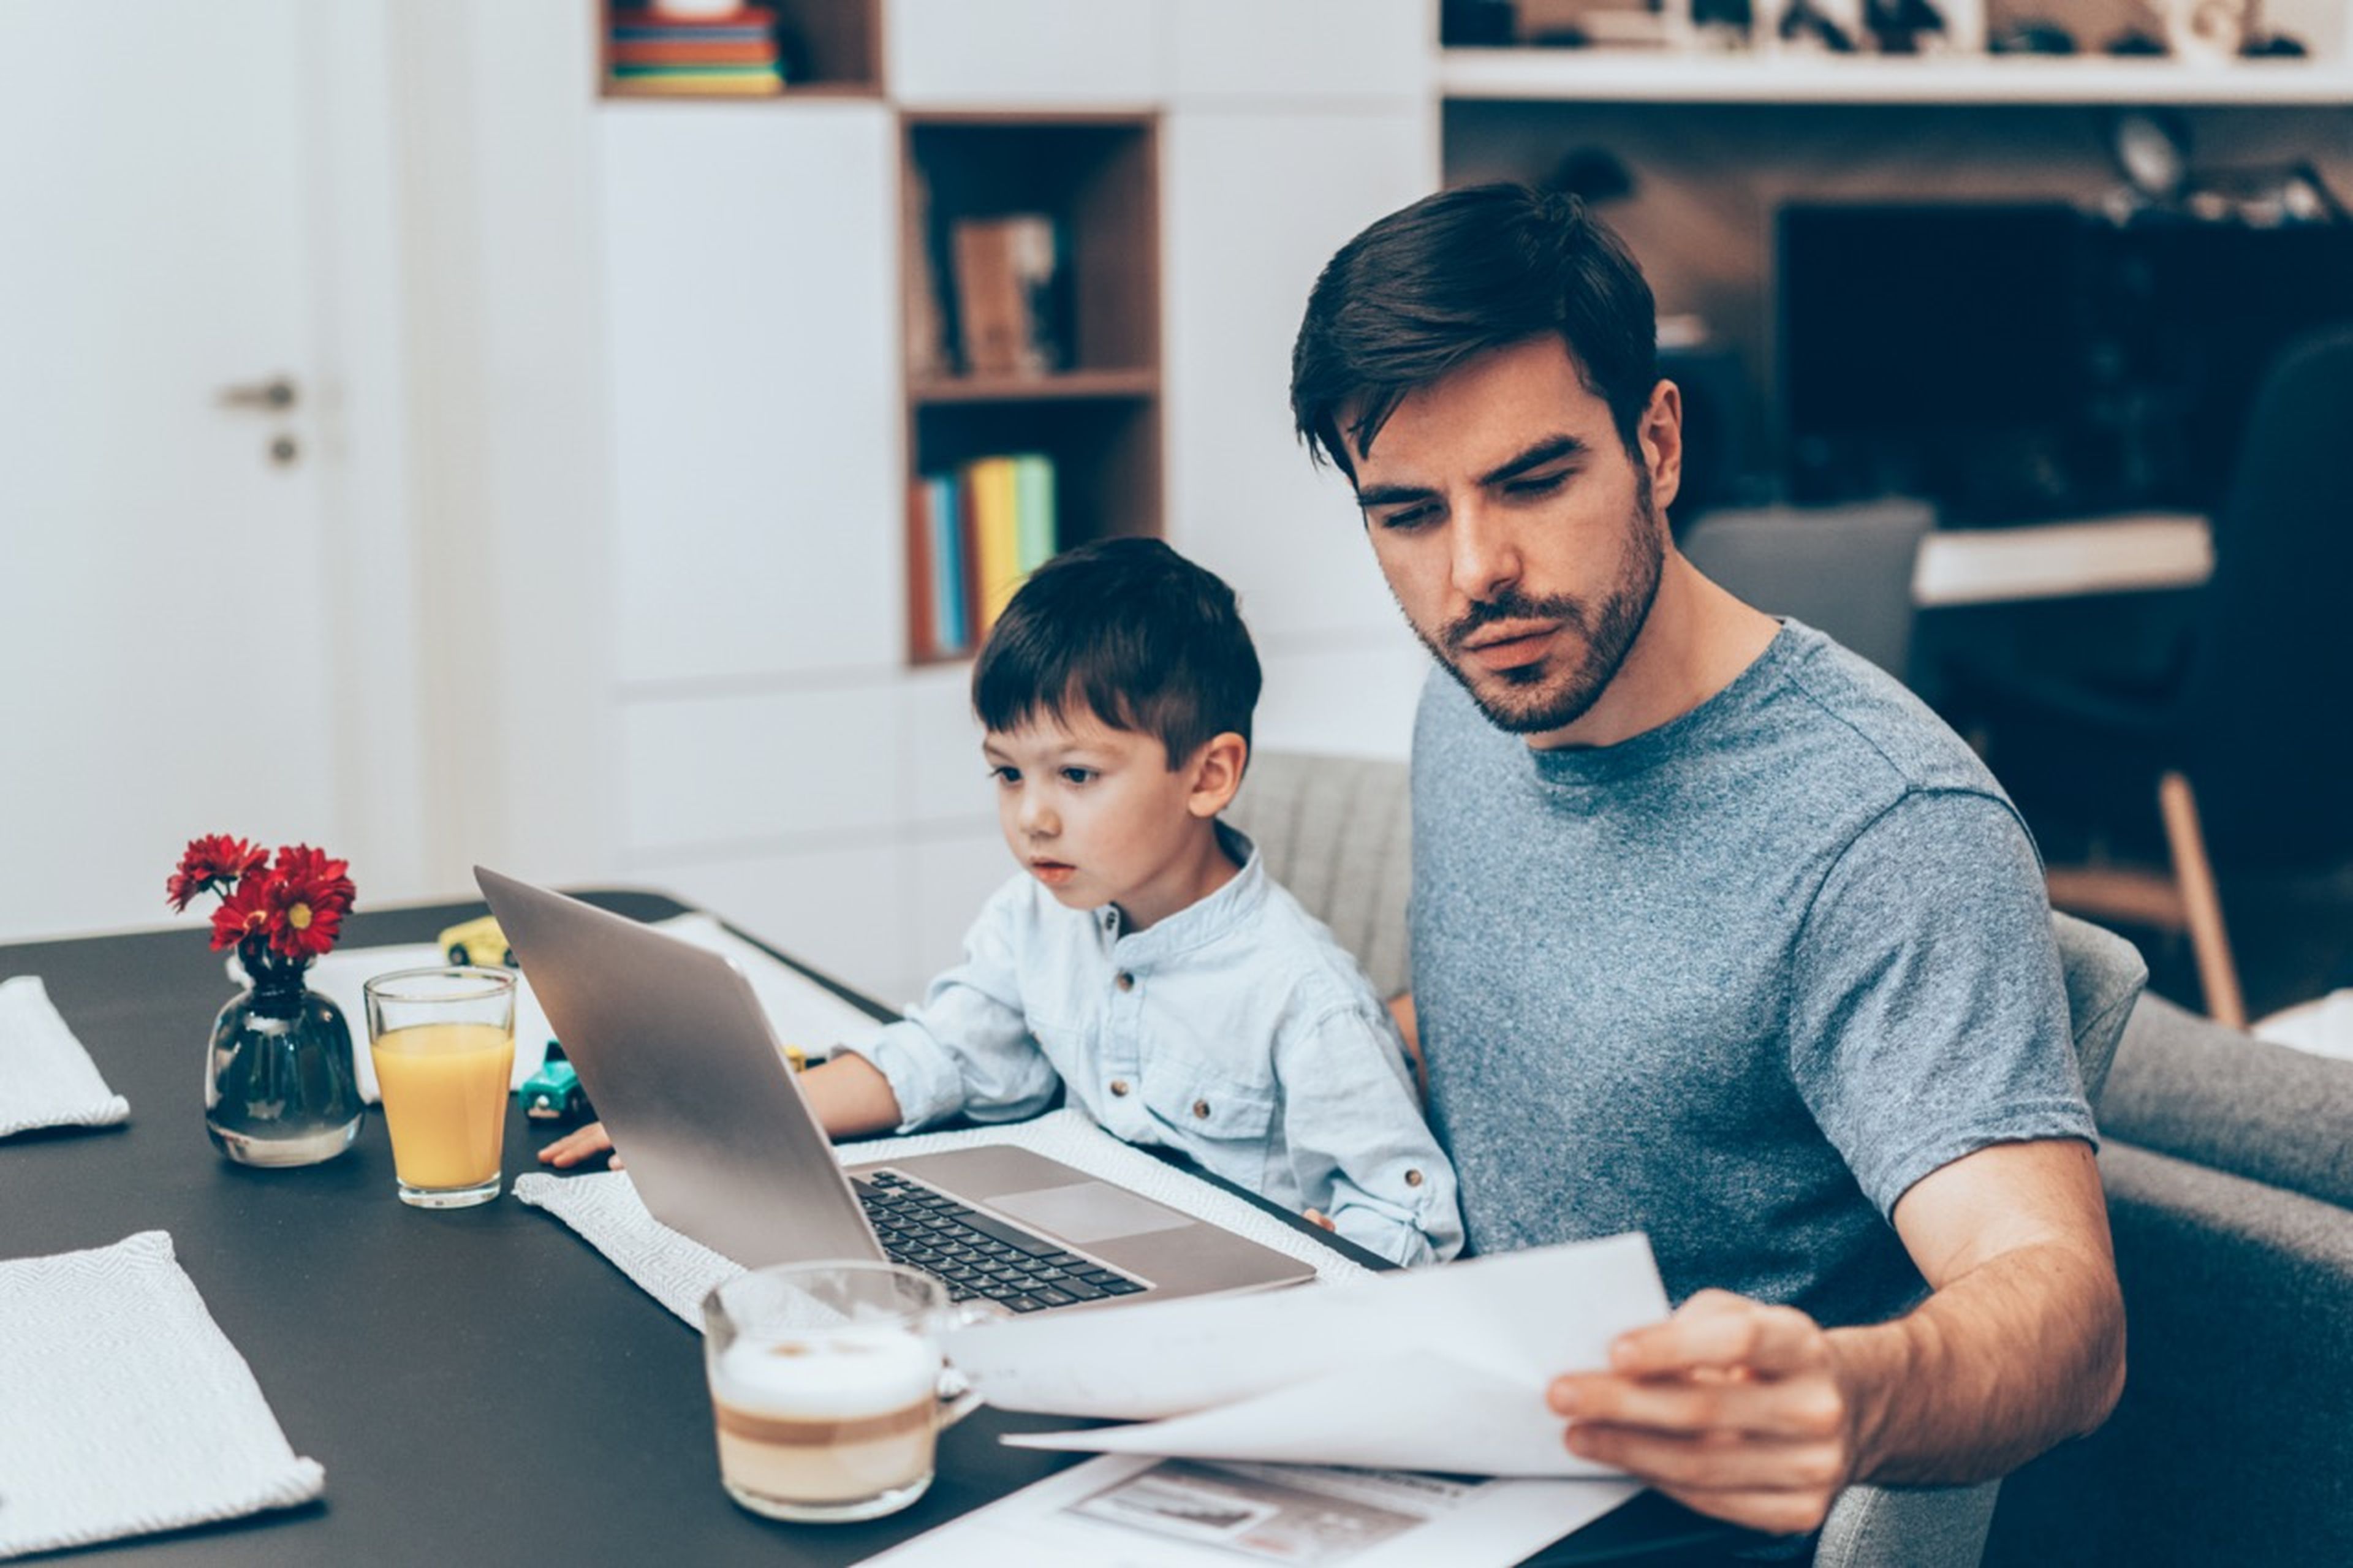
point(443, 1040)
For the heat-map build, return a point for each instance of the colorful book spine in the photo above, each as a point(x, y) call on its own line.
point(733, 54)
point(951, 625)
point(995, 535)
point(1033, 507)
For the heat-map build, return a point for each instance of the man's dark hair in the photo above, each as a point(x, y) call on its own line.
point(1151, 643)
point(1431, 286)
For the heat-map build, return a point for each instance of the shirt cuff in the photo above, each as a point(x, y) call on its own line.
point(923, 1077)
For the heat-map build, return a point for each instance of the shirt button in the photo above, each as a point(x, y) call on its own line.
point(1123, 980)
point(1413, 1178)
point(1201, 1108)
point(1119, 1086)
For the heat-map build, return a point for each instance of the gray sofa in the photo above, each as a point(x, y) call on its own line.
point(2229, 1166)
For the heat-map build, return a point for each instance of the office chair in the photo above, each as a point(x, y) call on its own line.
point(1845, 570)
point(1338, 832)
point(2249, 754)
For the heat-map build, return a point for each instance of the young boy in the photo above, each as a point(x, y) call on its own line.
point(1143, 962)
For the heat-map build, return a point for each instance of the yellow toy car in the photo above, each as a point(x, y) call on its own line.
point(478, 942)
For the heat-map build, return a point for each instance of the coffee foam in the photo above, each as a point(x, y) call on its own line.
point(843, 1375)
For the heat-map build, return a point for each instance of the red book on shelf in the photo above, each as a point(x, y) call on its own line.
point(921, 633)
point(761, 52)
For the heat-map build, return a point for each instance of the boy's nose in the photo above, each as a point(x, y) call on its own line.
point(1038, 818)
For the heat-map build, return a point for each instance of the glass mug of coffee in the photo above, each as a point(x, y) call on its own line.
point(828, 1386)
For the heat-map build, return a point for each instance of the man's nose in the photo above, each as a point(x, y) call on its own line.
point(1486, 555)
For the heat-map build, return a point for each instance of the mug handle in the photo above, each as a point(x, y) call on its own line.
point(958, 1398)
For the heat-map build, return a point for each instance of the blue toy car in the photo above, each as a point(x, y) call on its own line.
point(554, 1092)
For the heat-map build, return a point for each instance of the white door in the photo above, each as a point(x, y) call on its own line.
point(165, 635)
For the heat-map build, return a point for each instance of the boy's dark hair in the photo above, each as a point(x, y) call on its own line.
point(1455, 275)
point(1150, 643)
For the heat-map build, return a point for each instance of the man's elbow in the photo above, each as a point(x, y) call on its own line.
point(2105, 1382)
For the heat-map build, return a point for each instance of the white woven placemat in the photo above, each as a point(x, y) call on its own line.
point(47, 1079)
point(679, 1272)
point(123, 1409)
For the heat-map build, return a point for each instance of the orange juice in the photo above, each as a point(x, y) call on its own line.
point(445, 1099)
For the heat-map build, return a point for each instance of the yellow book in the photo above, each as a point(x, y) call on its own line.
point(995, 510)
point(766, 86)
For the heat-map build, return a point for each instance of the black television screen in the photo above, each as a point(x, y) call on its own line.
point(1932, 351)
point(2013, 362)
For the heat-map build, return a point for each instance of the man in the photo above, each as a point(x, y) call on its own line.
point(1717, 932)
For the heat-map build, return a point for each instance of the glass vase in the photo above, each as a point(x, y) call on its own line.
point(281, 1087)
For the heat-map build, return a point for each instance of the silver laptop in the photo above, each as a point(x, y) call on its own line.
point(672, 1046)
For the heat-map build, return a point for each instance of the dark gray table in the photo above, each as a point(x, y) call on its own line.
point(480, 1385)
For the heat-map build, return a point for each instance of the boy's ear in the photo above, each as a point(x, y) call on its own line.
point(1216, 773)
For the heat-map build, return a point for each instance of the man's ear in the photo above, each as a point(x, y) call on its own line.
point(1660, 434)
point(1217, 769)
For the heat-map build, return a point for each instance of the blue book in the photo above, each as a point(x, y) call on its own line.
point(945, 511)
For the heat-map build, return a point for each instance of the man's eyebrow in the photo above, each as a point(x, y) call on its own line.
point(1390, 495)
point(1551, 449)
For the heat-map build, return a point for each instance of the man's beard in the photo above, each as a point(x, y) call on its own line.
point(1538, 698)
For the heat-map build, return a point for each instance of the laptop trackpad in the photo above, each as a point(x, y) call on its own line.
point(1089, 1211)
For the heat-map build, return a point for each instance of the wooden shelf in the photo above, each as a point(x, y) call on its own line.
point(1095, 415)
point(1064, 386)
point(1630, 76)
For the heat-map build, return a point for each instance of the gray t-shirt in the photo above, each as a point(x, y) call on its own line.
point(1738, 982)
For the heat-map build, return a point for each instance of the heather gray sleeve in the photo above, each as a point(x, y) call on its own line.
point(1928, 1018)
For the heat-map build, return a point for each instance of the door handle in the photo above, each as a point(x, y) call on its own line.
point(271, 396)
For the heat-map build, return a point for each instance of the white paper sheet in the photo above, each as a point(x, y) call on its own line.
point(1441, 1369)
point(803, 1012)
point(1126, 1512)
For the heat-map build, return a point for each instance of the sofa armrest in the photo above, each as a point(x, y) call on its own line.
point(2185, 1086)
point(2228, 1444)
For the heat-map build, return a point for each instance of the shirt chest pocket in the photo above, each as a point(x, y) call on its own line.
point(1226, 1122)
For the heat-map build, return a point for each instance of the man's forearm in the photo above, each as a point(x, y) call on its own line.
point(2021, 1352)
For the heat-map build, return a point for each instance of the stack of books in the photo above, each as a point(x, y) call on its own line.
point(733, 54)
point(974, 534)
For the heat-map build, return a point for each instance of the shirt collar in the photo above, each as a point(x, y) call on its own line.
point(1231, 907)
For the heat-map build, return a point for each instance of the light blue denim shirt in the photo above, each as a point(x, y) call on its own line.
point(1236, 1030)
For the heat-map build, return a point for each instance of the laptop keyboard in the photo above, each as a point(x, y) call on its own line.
point(978, 1255)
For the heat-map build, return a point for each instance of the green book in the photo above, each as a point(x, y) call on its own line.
point(1033, 511)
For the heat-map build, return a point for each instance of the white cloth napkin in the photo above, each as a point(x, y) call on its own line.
point(123, 1409)
point(679, 1271)
point(47, 1079)
point(805, 1014)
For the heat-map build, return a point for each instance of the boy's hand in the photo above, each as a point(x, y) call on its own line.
point(580, 1143)
point(1317, 1216)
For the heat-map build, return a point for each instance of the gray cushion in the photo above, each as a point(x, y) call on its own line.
point(1338, 832)
point(2189, 1086)
point(2105, 975)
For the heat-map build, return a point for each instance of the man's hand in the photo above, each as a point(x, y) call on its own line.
point(580, 1143)
point(1731, 1408)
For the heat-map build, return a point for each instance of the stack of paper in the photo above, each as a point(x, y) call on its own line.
point(1444, 1369)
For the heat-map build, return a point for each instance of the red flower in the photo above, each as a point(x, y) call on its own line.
point(245, 911)
point(212, 863)
point(308, 896)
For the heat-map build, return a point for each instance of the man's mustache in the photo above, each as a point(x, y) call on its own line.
point(1513, 605)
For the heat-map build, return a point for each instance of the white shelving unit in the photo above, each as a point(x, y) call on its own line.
point(1632, 76)
point(777, 756)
